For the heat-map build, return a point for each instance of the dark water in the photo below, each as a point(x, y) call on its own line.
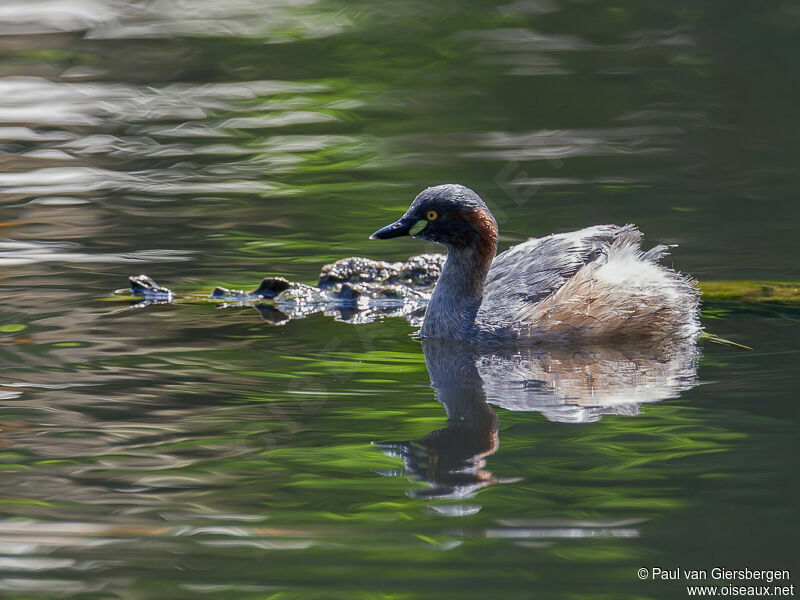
point(186, 451)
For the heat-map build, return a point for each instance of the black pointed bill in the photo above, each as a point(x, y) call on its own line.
point(398, 229)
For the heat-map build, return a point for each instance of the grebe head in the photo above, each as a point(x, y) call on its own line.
point(450, 214)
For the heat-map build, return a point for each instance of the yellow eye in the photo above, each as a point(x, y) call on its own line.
point(432, 215)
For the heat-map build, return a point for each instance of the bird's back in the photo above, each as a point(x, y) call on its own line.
point(591, 283)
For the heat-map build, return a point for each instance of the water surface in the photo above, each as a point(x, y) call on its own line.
point(186, 451)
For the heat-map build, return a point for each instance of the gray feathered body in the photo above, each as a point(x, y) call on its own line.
point(595, 283)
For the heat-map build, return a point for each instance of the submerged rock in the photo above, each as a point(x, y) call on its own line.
point(142, 285)
point(271, 287)
point(354, 290)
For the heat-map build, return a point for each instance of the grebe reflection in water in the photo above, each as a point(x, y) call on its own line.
point(569, 385)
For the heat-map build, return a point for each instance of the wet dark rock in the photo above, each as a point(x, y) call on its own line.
point(142, 285)
point(346, 292)
point(420, 271)
point(271, 287)
point(354, 290)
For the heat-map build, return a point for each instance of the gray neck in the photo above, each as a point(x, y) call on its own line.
point(457, 296)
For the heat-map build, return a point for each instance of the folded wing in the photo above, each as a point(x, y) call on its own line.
point(533, 270)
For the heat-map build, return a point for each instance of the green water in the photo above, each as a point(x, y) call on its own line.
point(192, 452)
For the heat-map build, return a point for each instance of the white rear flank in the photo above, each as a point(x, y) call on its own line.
point(625, 294)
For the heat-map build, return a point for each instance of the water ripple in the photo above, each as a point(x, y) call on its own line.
point(280, 20)
point(567, 143)
point(42, 102)
point(15, 253)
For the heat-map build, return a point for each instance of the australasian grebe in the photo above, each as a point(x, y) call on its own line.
point(593, 284)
